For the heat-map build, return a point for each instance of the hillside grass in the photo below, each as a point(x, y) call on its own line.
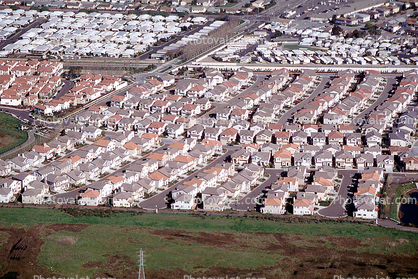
point(10, 135)
point(31, 216)
point(192, 243)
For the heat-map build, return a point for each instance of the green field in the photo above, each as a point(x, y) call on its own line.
point(10, 135)
point(101, 242)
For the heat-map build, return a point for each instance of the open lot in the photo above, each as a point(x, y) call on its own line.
point(10, 135)
point(80, 242)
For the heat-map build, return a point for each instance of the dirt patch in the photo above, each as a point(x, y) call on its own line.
point(6, 140)
point(66, 239)
point(4, 237)
point(19, 254)
point(316, 259)
point(215, 239)
point(115, 267)
point(67, 227)
point(342, 242)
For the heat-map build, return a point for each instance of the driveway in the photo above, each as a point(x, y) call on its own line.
point(249, 201)
point(336, 209)
point(319, 89)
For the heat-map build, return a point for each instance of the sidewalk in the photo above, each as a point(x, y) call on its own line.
point(386, 223)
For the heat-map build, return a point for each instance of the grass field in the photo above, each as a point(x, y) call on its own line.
point(10, 135)
point(105, 243)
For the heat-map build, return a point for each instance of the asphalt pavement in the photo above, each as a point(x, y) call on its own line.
point(16, 36)
point(22, 114)
point(359, 120)
point(336, 209)
point(67, 85)
point(249, 201)
point(386, 223)
point(319, 89)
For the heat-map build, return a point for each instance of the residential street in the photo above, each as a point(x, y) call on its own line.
point(249, 201)
point(336, 208)
point(319, 89)
point(67, 85)
point(16, 36)
point(382, 98)
point(386, 223)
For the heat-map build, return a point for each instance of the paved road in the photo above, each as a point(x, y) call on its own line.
point(177, 38)
point(249, 90)
point(158, 201)
point(293, 67)
point(319, 89)
point(30, 140)
point(249, 201)
point(16, 37)
point(359, 120)
point(67, 85)
point(22, 114)
point(386, 223)
point(336, 208)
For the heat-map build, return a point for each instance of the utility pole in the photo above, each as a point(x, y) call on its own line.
point(141, 274)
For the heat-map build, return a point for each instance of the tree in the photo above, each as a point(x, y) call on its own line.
point(368, 25)
point(336, 30)
point(277, 34)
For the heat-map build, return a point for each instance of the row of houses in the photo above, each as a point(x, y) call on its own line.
point(28, 82)
point(88, 88)
point(306, 202)
point(148, 107)
point(306, 197)
point(229, 186)
point(353, 102)
point(367, 195)
point(384, 116)
point(104, 155)
point(158, 170)
point(332, 49)
point(96, 34)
